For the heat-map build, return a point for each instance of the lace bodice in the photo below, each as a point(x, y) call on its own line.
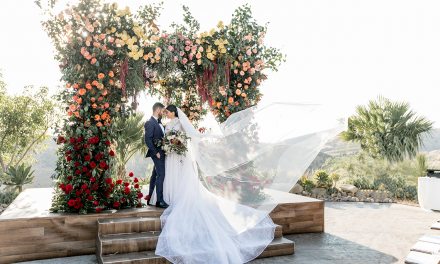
point(174, 124)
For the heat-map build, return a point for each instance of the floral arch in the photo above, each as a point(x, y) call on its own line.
point(108, 55)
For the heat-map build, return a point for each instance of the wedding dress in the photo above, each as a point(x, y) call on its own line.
point(200, 227)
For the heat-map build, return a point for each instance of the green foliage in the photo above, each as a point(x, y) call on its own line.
point(308, 184)
point(20, 176)
point(333, 190)
point(322, 179)
point(386, 129)
point(8, 197)
point(25, 120)
point(335, 177)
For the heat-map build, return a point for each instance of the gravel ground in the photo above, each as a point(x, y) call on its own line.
point(354, 233)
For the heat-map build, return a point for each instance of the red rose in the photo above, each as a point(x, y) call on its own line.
point(123, 200)
point(107, 143)
point(78, 171)
point(98, 157)
point(88, 191)
point(136, 179)
point(116, 204)
point(89, 174)
point(131, 174)
point(136, 186)
point(147, 197)
point(107, 194)
point(72, 140)
point(109, 189)
point(118, 181)
point(78, 200)
point(87, 158)
point(98, 210)
point(95, 186)
point(75, 148)
point(92, 165)
point(108, 180)
point(111, 153)
point(76, 164)
point(112, 185)
point(96, 139)
point(64, 141)
point(62, 186)
point(95, 203)
point(60, 138)
point(92, 179)
point(86, 146)
point(69, 158)
point(69, 178)
point(209, 179)
point(69, 187)
point(78, 140)
point(102, 164)
point(71, 202)
point(107, 167)
point(91, 141)
point(171, 141)
point(79, 147)
point(85, 169)
point(78, 193)
point(126, 184)
point(68, 152)
point(89, 197)
point(140, 195)
point(84, 186)
point(139, 205)
point(178, 143)
point(267, 182)
point(77, 206)
point(127, 190)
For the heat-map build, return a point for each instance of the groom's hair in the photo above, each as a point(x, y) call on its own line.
point(157, 106)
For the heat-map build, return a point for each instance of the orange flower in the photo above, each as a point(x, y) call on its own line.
point(123, 98)
point(95, 83)
point(101, 75)
point(235, 71)
point(100, 86)
point(239, 57)
point(111, 82)
point(105, 92)
point(69, 113)
point(86, 123)
point(239, 85)
point(94, 105)
point(76, 114)
point(97, 117)
point(100, 98)
point(236, 103)
point(92, 99)
point(104, 116)
point(106, 105)
point(111, 74)
point(68, 85)
point(227, 114)
point(79, 101)
point(75, 98)
point(231, 100)
point(245, 87)
point(243, 95)
point(72, 107)
point(82, 91)
point(93, 61)
point(99, 124)
point(237, 92)
point(75, 86)
point(116, 109)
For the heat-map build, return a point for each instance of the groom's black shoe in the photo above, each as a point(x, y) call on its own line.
point(162, 204)
point(148, 202)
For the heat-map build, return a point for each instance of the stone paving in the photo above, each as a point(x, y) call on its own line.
point(364, 233)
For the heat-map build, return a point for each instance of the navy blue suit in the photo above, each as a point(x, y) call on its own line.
point(153, 134)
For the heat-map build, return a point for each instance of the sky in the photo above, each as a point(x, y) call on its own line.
point(341, 52)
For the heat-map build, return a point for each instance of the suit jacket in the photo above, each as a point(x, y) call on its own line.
point(153, 134)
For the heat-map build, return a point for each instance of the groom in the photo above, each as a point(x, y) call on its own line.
point(154, 132)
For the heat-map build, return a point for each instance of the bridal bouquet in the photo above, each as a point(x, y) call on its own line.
point(174, 141)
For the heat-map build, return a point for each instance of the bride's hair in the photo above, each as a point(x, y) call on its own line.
point(173, 108)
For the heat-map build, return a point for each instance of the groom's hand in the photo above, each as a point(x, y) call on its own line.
point(158, 155)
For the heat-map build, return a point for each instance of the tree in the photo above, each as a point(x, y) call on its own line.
point(387, 129)
point(20, 176)
point(130, 139)
point(25, 120)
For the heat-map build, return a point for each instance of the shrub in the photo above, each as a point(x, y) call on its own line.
point(322, 179)
point(8, 197)
point(335, 177)
point(308, 184)
point(333, 190)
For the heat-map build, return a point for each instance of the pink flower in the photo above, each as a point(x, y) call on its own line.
point(174, 41)
point(67, 11)
point(162, 36)
point(187, 42)
point(175, 58)
point(170, 48)
point(87, 43)
point(117, 41)
point(194, 47)
point(111, 39)
point(101, 36)
point(248, 52)
point(191, 56)
point(147, 84)
point(110, 52)
point(181, 38)
point(185, 60)
point(182, 53)
point(166, 35)
point(178, 33)
point(187, 48)
point(60, 16)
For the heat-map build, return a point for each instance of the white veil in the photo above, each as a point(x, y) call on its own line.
point(259, 154)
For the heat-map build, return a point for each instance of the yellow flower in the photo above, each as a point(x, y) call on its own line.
point(120, 13)
point(199, 62)
point(137, 31)
point(221, 46)
point(136, 24)
point(113, 29)
point(115, 5)
point(124, 37)
point(208, 50)
point(212, 31)
point(145, 37)
point(225, 42)
point(134, 39)
point(217, 42)
point(135, 48)
point(122, 43)
point(136, 57)
point(214, 52)
point(229, 26)
point(199, 55)
point(223, 51)
point(220, 24)
point(209, 56)
point(198, 41)
point(131, 54)
point(108, 31)
point(127, 8)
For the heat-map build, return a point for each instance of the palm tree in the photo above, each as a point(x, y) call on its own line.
point(130, 140)
point(387, 129)
point(20, 176)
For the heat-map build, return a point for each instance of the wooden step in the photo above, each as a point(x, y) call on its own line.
point(278, 247)
point(436, 226)
point(110, 226)
point(422, 258)
point(430, 239)
point(425, 247)
point(278, 231)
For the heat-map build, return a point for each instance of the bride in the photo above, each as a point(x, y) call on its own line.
point(199, 226)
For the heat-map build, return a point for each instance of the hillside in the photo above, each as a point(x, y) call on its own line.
point(139, 166)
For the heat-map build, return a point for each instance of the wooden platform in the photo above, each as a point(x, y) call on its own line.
point(30, 232)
